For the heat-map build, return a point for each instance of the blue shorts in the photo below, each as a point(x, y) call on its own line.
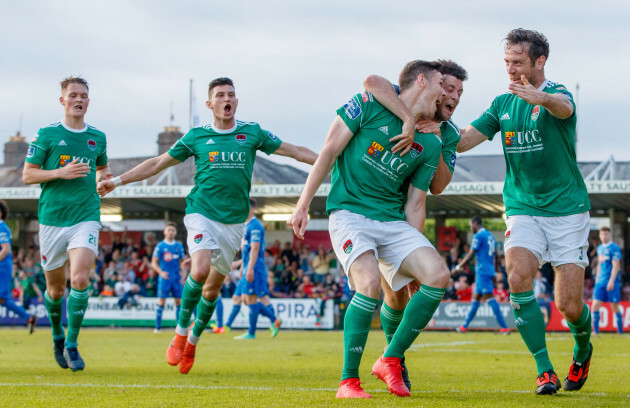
point(240, 287)
point(5, 285)
point(600, 293)
point(258, 287)
point(170, 288)
point(484, 284)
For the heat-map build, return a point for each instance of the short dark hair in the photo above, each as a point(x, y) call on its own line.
point(218, 82)
point(476, 220)
point(73, 80)
point(5, 209)
point(171, 224)
point(414, 68)
point(252, 202)
point(538, 44)
point(601, 229)
point(449, 67)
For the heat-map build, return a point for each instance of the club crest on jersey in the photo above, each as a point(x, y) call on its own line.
point(241, 139)
point(44, 259)
point(347, 246)
point(535, 113)
point(198, 238)
point(375, 150)
point(213, 157)
point(416, 149)
point(272, 136)
point(510, 138)
point(507, 235)
point(64, 159)
point(168, 257)
point(91, 144)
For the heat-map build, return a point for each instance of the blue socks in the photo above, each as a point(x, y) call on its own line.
point(10, 305)
point(497, 312)
point(219, 312)
point(472, 313)
point(267, 311)
point(233, 314)
point(596, 322)
point(254, 310)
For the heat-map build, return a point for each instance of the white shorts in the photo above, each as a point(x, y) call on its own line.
point(392, 241)
point(55, 242)
point(559, 240)
point(223, 239)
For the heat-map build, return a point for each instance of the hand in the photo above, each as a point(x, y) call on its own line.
point(249, 276)
point(107, 176)
point(104, 187)
point(298, 221)
point(413, 287)
point(610, 286)
point(164, 275)
point(73, 170)
point(527, 92)
point(186, 263)
point(428, 126)
point(405, 139)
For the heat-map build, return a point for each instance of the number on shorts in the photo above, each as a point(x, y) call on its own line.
point(92, 240)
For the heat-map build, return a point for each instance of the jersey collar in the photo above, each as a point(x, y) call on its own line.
point(69, 129)
point(543, 85)
point(223, 130)
point(250, 221)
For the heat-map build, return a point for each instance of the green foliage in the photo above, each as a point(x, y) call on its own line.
point(127, 368)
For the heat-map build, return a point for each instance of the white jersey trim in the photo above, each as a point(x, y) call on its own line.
point(69, 129)
point(222, 131)
point(454, 126)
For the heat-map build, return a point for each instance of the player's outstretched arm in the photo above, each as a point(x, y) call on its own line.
point(384, 92)
point(34, 174)
point(338, 137)
point(103, 173)
point(557, 104)
point(471, 137)
point(299, 153)
point(441, 179)
point(142, 171)
point(415, 208)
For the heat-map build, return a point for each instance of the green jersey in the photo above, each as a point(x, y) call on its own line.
point(225, 161)
point(542, 177)
point(450, 139)
point(368, 178)
point(63, 203)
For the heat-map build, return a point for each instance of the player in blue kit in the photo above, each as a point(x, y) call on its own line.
point(255, 287)
point(483, 247)
point(6, 271)
point(608, 279)
point(166, 263)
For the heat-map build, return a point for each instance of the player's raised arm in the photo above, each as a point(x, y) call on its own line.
point(557, 104)
point(471, 137)
point(299, 153)
point(34, 174)
point(385, 93)
point(144, 170)
point(338, 137)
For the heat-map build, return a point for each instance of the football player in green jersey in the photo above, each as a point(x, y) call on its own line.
point(374, 229)
point(67, 158)
point(454, 75)
point(216, 208)
point(545, 199)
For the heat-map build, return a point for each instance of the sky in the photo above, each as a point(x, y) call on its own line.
point(295, 62)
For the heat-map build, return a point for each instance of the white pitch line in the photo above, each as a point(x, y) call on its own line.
point(300, 389)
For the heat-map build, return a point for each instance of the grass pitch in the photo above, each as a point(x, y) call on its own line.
point(127, 368)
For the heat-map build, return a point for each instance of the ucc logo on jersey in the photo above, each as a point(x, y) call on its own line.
point(416, 149)
point(535, 113)
point(347, 246)
point(91, 144)
point(375, 150)
point(198, 238)
point(241, 139)
point(213, 156)
point(510, 138)
point(64, 159)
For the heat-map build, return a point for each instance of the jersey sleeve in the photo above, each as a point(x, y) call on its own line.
point(157, 252)
point(269, 142)
point(101, 160)
point(488, 122)
point(4, 237)
point(450, 138)
point(38, 149)
point(355, 112)
point(256, 233)
point(421, 178)
point(562, 90)
point(183, 148)
point(474, 244)
point(616, 254)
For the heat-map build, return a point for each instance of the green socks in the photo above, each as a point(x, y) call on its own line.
point(190, 298)
point(205, 308)
point(531, 324)
point(390, 320)
point(581, 330)
point(416, 316)
point(54, 308)
point(77, 305)
point(356, 327)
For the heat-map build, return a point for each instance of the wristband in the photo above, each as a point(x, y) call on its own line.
point(457, 268)
point(117, 181)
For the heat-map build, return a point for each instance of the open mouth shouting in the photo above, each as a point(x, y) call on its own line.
point(227, 109)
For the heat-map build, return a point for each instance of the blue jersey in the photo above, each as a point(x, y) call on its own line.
point(254, 232)
point(169, 256)
point(5, 238)
point(484, 245)
point(607, 254)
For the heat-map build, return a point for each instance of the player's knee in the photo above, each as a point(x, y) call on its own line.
point(79, 282)
point(570, 309)
point(56, 291)
point(210, 292)
point(442, 277)
point(519, 282)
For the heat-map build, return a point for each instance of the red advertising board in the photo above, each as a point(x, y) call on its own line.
point(607, 322)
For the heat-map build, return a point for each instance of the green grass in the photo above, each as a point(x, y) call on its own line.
point(127, 368)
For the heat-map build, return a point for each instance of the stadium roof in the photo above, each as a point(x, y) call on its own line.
point(476, 189)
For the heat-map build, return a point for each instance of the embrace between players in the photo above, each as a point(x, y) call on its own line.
point(376, 206)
